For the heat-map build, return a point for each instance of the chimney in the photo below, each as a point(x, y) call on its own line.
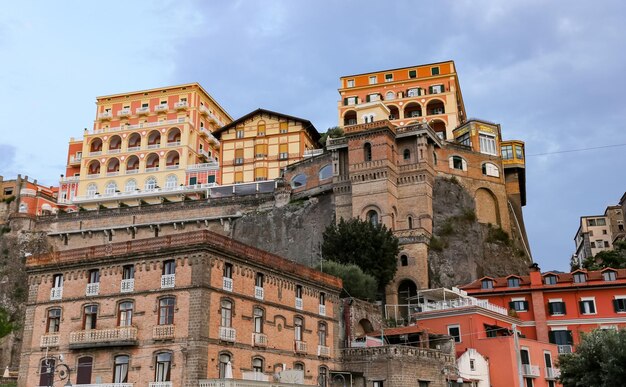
point(535, 275)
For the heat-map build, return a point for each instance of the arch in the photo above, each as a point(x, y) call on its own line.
point(367, 151)
point(152, 162)
point(132, 164)
point(154, 139)
point(439, 127)
point(349, 117)
point(364, 327)
point(325, 172)
point(115, 143)
point(95, 145)
point(163, 366)
point(404, 260)
point(435, 106)
point(172, 159)
point(260, 128)
point(92, 190)
point(458, 163)
point(298, 181)
point(93, 168)
point(134, 141)
point(113, 165)
point(390, 95)
point(173, 136)
point(406, 155)
point(412, 110)
point(487, 210)
point(490, 169)
point(372, 217)
point(110, 188)
point(171, 181)
point(45, 376)
point(151, 183)
point(394, 112)
point(406, 289)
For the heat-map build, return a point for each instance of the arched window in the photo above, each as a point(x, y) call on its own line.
point(390, 95)
point(151, 183)
point(170, 181)
point(490, 169)
point(163, 367)
point(298, 181)
point(298, 366)
point(46, 372)
point(130, 186)
point(367, 151)
point(372, 217)
point(227, 314)
point(326, 172)
point(257, 365)
point(404, 260)
point(410, 220)
point(23, 208)
point(110, 188)
point(125, 314)
point(92, 189)
point(90, 317)
point(120, 372)
point(406, 154)
point(322, 379)
point(258, 320)
point(224, 365)
point(321, 333)
point(457, 162)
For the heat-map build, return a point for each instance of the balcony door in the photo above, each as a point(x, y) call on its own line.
point(83, 373)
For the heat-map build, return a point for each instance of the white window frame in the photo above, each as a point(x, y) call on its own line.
point(372, 80)
point(488, 144)
point(350, 83)
point(491, 170)
point(593, 300)
point(352, 100)
point(522, 300)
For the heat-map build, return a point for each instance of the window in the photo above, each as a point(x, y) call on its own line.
point(90, 317)
point(513, 282)
point(57, 281)
point(377, 383)
point(151, 183)
point(457, 162)
point(372, 80)
point(259, 280)
point(166, 311)
point(404, 260)
point(125, 314)
point(525, 356)
point(284, 127)
point(130, 186)
point(587, 306)
point(410, 221)
point(412, 74)
point(619, 304)
point(367, 151)
point(83, 371)
point(240, 133)
point(46, 372)
point(434, 71)
point(283, 151)
point(298, 291)
point(490, 169)
point(260, 129)
point(297, 327)
point(464, 139)
point(455, 332)
point(169, 267)
point(163, 367)
point(94, 276)
point(388, 77)
point(437, 89)
point(406, 154)
point(472, 364)
point(487, 144)
point(110, 188)
point(238, 177)
point(170, 181)
point(414, 92)
point(609, 275)
point(321, 334)
point(257, 365)
point(507, 152)
point(550, 280)
point(350, 83)
point(326, 172)
point(260, 150)
point(238, 156)
point(519, 152)
point(423, 383)
point(556, 307)
point(561, 337)
point(227, 313)
point(372, 217)
point(120, 372)
point(580, 278)
point(323, 377)
point(519, 305)
point(486, 284)
point(54, 320)
point(92, 189)
point(351, 101)
point(128, 272)
point(258, 320)
point(224, 364)
point(390, 95)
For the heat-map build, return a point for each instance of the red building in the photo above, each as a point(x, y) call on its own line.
point(558, 307)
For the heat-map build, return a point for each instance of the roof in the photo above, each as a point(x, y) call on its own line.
point(305, 123)
point(402, 68)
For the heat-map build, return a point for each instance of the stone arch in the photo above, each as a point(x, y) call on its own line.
point(363, 327)
point(487, 210)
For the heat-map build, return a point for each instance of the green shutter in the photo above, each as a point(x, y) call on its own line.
point(430, 89)
point(551, 337)
point(526, 305)
point(367, 98)
point(570, 338)
point(443, 89)
point(511, 305)
point(419, 91)
point(564, 309)
point(345, 101)
point(581, 306)
point(550, 308)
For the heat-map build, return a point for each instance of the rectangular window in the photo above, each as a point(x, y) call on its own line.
point(283, 151)
point(455, 331)
point(414, 92)
point(513, 282)
point(580, 277)
point(619, 304)
point(373, 97)
point(464, 139)
point(609, 275)
point(372, 80)
point(351, 101)
point(561, 337)
point(240, 133)
point(412, 74)
point(238, 156)
point(94, 276)
point(90, 317)
point(487, 144)
point(228, 270)
point(238, 177)
point(587, 306)
point(556, 307)
point(260, 174)
point(350, 83)
point(284, 127)
point(486, 284)
point(377, 383)
point(507, 152)
point(434, 71)
point(54, 321)
point(472, 365)
point(437, 89)
point(260, 150)
point(519, 305)
point(388, 77)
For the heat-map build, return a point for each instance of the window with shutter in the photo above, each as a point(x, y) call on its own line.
point(238, 177)
point(283, 152)
point(238, 156)
point(412, 74)
point(619, 305)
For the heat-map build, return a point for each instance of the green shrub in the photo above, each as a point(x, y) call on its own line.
point(355, 282)
point(497, 235)
point(447, 228)
point(436, 244)
point(469, 215)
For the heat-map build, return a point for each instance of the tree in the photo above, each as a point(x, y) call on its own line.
point(355, 282)
point(333, 132)
point(598, 361)
point(615, 258)
point(6, 326)
point(371, 247)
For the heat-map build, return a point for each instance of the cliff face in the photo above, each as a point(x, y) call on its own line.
point(462, 249)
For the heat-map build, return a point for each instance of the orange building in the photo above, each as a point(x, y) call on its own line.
point(558, 307)
point(426, 93)
point(146, 145)
point(28, 198)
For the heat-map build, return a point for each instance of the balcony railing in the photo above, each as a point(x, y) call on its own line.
point(114, 150)
point(529, 370)
point(565, 348)
point(181, 105)
point(133, 148)
point(107, 385)
point(298, 303)
point(259, 339)
point(113, 173)
point(246, 382)
point(322, 310)
point(161, 108)
point(552, 373)
point(132, 171)
point(75, 159)
point(104, 337)
point(323, 351)
point(160, 384)
point(259, 293)
point(202, 167)
point(313, 152)
point(127, 285)
point(49, 341)
point(95, 153)
point(163, 332)
point(228, 334)
point(93, 289)
point(300, 346)
point(173, 143)
point(56, 293)
point(105, 116)
point(124, 112)
point(227, 284)
point(142, 110)
point(93, 175)
point(152, 169)
point(173, 166)
point(154, 146)
point(168, 281)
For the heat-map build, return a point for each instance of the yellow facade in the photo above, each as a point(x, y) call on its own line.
point(259, 145)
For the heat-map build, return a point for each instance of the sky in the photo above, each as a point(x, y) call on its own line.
point(547, 71)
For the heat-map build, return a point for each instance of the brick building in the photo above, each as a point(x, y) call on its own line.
point(176, 310)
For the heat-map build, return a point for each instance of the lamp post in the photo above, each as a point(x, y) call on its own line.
point(62, 369)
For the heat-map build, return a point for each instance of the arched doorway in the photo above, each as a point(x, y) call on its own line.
point(406, 290)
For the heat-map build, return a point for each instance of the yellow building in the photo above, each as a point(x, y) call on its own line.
point(149, 145)
point(427, 93)
point(258, 145)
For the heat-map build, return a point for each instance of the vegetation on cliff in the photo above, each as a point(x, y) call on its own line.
point(356, 283)
point(615, 258)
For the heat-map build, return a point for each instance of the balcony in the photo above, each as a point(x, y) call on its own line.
point(300, 346)
point(92, 289)
point(93, 175)
point(132, 171)
point(95, 153)
point(552, 373)
point(163, 332)
point(154, 146)
point(212, 165)
point(322, 310)
point(259, 293)
point(124, 113)
point(142, 110)
point(173, 166)
point(530, 371)
point(313, 152)
point(127, 285)
point(56, 293)
point(152, 169)
point(105, 116)
point(227, 284)
point(228, 334)
point(75, 159)
point(565, 348)
point(168, 281)
point(259, 339)
point(162, 108)
point(133, 148)
point(181, 105)
point(173, 143)
point(120, 336)
point(113, 173)
point(298, 303)
point(247, 381)
point(204, 110)
point(323, 351)
point(48, 341)
point(113, 151)
point(160, 384)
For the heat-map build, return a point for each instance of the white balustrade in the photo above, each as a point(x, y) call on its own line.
point(322, 310)
point(142, 110)
point(160, 384)
point(530, 370)
point(300, 346)
point(49, 341)
point(228, 334)
point(104, 335)
point(259, 339)
point(227, 284)
point(163, 332)
point(323, 351)
point(298, 303)
point(259, 292)
point(93, 289)
point(168, 281)
point(56, 293)
point(127, 285)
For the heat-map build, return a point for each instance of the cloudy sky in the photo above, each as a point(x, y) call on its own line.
point(548, 71)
